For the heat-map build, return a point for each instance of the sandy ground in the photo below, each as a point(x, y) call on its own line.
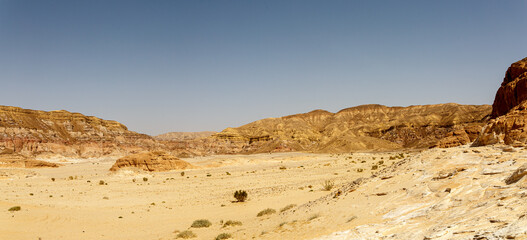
point(456, 193)
point(76, 206)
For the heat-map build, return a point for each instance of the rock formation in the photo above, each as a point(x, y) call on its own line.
point(31, 132)
point(509, 111)
point(183, 136)
point(367, 127)
point(150, 161)
point(11, 159)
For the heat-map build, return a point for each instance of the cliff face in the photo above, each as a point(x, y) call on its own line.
point(367, 127)
point(509, 111)
point(513, 89)
point(31, 132)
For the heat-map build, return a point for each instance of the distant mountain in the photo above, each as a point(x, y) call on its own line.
point(32, 132)
point(183, 136)
point(366, 127)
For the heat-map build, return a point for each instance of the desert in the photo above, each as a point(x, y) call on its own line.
point(272, 120)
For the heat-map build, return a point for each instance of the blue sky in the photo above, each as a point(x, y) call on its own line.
point(160, 66)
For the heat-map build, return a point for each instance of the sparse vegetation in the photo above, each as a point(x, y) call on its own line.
point(15, 208)
point(267, 211)
point(201, 223)
point(240, 195)
point(283, 168)
point(186, 234)
point(328, 185)
point(374, 167)
point(314, 216)
point(287, 207)
point(145, 179)
point(223, 236)
point(360, 170)
point(232, 223)
point(182, 174)
point(101, 182)
point(53, 179)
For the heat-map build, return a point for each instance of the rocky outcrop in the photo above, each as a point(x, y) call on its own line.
point(367, 127)
point(13, 160)
point(150, 161)
point(509, 111)
point(513, 89)
point(183, 136)
point(31, 133)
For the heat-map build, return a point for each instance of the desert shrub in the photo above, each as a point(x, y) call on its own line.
point(232, 223)
point(101, 182)
point(145, 179)
point(328, 185)
point(186, 234)
point(15, 208)
point(360, 169)
point(182, 174)
point(283, 168)
point(287, 207)
point(53, 179)
point(374, 167)
point(70, 177)
point(381, 162)
point(223, 236)
point(314, 216)
point(267, 211)
point(201, 223)
point(240, 195)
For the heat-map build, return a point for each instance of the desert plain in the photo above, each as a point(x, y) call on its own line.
point(455, 193)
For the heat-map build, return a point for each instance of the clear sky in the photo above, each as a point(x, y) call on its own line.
point(160, 66)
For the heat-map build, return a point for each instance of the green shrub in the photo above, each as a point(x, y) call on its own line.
point(267, 211)
point(240, 195)
point(201, 223)
point(15, 208)
point(223, 236)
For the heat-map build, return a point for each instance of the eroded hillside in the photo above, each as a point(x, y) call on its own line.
point(367, 127)
point(31, 132)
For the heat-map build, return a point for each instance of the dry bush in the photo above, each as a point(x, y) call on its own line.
point(232, 223)
point(15, 208)
point(267, 211)
point(186, 234)
point(328, 185)
point(201, 223)
point(223, 236)
point(287, 207)
point(240, 195)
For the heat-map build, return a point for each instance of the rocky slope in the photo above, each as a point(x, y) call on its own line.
point(40, 133)
point(367, 127)
point(150, 161)
point(183, 136)
point(509, 111)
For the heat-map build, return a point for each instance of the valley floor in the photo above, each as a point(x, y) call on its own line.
point(456, 193)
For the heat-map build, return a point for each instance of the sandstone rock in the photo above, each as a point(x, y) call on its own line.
point(517, 175)
point(13, 160)
point(31, 132)
point(151, 161)
point(513, 89)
